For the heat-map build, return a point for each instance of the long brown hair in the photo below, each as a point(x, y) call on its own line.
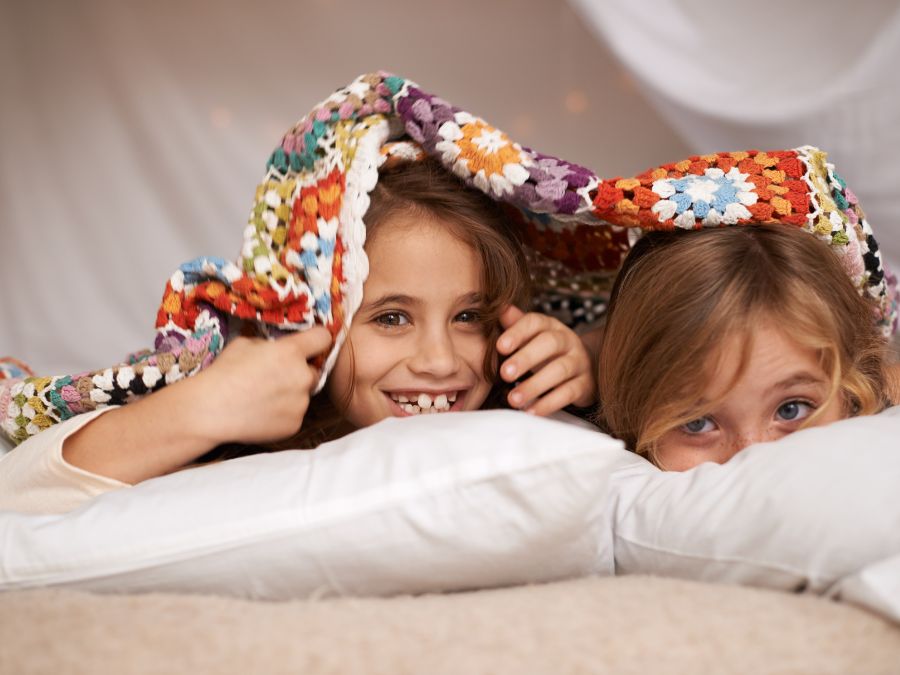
point(680, 294)
point(426, 187)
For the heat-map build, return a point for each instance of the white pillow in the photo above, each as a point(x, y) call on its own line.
point(818, 510)
point(442, 502)
point(472, 500)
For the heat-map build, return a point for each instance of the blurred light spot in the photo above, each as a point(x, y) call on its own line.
point(576, 101)
point(524, 125)
point(627, 82)
point(220, 117)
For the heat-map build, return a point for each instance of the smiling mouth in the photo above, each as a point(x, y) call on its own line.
point(422, 403)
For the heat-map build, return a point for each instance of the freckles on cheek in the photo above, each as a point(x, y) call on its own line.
point(673, 456)
point(675, 462)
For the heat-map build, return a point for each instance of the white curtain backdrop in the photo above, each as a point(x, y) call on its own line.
point(134, 133)
point(774, 75)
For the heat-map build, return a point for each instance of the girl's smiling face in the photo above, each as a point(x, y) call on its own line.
point(417, 344)
point(782, 385)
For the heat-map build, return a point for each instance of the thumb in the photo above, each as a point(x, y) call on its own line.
point(510, 315)
point(311, 342)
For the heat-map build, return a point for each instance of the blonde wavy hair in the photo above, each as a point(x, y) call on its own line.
point(680, 295)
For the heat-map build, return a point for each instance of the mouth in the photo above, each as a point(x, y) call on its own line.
point(427, 402)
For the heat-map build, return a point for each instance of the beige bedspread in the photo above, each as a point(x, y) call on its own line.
point(597, 625)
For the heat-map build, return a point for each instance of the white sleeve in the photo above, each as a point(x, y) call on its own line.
point(34, 477)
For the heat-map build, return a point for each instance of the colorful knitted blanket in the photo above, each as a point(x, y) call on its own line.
point(303, 262)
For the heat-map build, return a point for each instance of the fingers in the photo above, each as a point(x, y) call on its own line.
point(258, 389)
point(310, 342)
point(552, 357)
point(563, 373)
point(520, 328)
point(303, 348)
point(542, 348)
point(274, 364)
point(558, 398)
point(510, 315)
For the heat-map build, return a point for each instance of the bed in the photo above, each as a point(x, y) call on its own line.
point(632, 624)
point(484, 542)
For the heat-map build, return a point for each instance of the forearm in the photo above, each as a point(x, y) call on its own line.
point(151, 437)
point(257, 391)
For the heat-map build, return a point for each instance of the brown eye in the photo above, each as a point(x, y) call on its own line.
point(468, 316)
point(392, 319)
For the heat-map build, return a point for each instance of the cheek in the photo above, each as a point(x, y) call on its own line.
point(337, 387)
point(673, 453)
point(672, 456)
point(349, 389)
point(473, 350)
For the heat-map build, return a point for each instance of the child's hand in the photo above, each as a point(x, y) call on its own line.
point(258, 390)
point(562, 372)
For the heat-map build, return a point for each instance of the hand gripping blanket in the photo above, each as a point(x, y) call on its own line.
point(302, 261)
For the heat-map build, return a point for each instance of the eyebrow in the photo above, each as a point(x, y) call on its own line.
point(392, 299)
point(802, 377)
point(795, 379)
point(402, 300)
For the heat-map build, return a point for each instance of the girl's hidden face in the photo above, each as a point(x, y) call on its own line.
point(783, 383)
point(417, 343)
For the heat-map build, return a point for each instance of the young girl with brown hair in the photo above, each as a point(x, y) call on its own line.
point(720, 338)
point(421, 201)
point(446, 276)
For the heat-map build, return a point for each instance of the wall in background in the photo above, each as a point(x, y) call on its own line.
point(134, 134)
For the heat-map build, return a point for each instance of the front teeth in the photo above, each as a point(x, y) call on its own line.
point(424, 403)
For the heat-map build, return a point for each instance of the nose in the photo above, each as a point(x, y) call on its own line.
point(745, 438)
point(436, 354)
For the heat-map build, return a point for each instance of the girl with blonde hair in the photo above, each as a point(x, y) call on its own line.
point(720, 338)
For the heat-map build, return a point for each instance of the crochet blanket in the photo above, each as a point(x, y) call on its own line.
point(302, 261)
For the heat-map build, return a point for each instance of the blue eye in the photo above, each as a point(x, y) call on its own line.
point(794, 410)
point(392, 319)
point(700, 425)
